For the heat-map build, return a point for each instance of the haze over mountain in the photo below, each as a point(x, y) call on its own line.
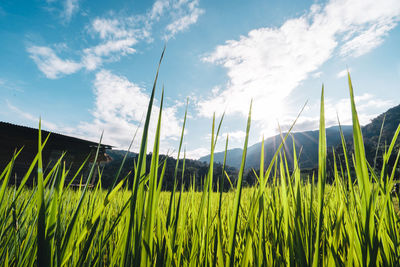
point(307, 143)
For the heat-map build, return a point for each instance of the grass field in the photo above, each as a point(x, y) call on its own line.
point(281, 221)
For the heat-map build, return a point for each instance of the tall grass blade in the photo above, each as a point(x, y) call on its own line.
point(321, 182)
point(236, 204)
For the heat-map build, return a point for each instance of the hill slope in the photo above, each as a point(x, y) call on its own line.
point(308, 141)
point(194, 169)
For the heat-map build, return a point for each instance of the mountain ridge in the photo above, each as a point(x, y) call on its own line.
point(308, 142)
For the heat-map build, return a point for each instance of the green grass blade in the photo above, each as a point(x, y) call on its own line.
point(43, 253)
point(321, 181)
point(236, 204)
point(126, 260)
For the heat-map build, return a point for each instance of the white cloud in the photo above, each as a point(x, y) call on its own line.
point(188, 13)
point(367, 40)
point(10, 85)
point(70, 8)
point(120, 106)
point(64, 9)
point(110, 28)
point(119, 110)
point(50, 64)
point(117, 35)
point(111, 50)
point(158, 9)
point(236, 135)
point(343, 73)
point(116, 41)
point(317, 74)
point(197, 153)
point(46, 124)
point(368, 107)
point(117, 38)
point(267, 64)
point(116, 28)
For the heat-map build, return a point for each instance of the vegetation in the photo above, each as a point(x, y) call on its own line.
point(194, 171)
point(281, 221)
point(377, 136)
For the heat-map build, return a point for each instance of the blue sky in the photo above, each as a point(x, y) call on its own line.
point(88, 66)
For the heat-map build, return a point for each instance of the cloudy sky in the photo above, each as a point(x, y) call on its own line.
point(88, 66)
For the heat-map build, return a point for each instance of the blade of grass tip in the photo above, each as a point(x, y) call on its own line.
point(359, 151)
point(233, 228)
point(43, 253)
point(321, 180)
point(151, 204)
point(361, 168)
point(210, 180)
point(275, 156)
point(126, 260)
point(229, 180)
point(219, 128)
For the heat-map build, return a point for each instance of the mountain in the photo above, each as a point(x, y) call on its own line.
point(306, 142)
point(390, 120)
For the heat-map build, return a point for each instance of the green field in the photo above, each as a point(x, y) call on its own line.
point(283, 220)
point(276, 229)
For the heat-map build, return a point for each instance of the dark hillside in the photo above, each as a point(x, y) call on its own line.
point(194, 170)
point(306, 142)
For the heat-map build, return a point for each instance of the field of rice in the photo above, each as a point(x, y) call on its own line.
point(281, 221)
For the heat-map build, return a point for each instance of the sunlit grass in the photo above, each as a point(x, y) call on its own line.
point(282, 220)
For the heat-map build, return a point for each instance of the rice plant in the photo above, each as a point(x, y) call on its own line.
point(282, 220)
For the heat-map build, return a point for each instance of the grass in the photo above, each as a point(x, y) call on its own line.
point(281, 221)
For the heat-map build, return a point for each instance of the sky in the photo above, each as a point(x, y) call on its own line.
point(85, 67)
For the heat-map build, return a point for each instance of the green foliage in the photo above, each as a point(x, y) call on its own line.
point(282, 220)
